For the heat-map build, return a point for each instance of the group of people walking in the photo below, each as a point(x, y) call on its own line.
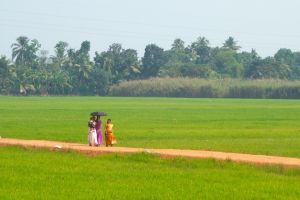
point(95, 132)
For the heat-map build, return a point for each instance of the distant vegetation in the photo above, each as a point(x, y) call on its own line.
point(209, 88)
point(31, 71)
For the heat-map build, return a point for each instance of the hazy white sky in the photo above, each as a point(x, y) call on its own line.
point(264, 25)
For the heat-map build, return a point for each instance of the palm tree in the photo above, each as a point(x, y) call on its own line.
point(7, 75)
point(230, 43)
point(60, 56)
point(178, 44)
point(24, 52)
point(84, 71)
point(32, 50)
point(20, 50)
point(202, 41)
point(202, 50)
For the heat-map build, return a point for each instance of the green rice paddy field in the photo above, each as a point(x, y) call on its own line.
point(269, 127)
point(41, 174)
point(233, 125)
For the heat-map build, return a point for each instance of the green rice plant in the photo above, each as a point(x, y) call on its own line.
point(257, 126)
point(41, 174)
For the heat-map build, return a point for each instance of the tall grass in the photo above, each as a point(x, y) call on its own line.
point(216, 88)
point(40, 174)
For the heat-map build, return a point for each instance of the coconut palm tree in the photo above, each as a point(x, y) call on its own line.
point(7, 75)
point(202, 50)
point(230, 43)
point(24, 51)
point(20, 50)
point(60, 56)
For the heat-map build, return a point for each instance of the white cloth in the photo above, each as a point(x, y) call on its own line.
point(92, 137)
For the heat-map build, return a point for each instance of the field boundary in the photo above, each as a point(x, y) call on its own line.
point(200, 154)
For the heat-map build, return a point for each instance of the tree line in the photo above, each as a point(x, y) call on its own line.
point(31, 71)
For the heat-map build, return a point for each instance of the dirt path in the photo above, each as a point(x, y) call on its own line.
point(237, 157)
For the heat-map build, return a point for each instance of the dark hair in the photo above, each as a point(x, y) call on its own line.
point(108, 120)
point(91, 124)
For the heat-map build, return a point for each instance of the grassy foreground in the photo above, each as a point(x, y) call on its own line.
point(40, 174)
point(251, 126)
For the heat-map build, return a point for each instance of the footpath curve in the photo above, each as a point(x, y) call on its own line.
point(84, 148)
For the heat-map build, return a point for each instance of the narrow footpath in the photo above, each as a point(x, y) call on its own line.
point(84, 148)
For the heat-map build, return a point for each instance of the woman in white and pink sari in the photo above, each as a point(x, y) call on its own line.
point(92, 134)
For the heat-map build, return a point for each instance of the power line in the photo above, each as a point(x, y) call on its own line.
point(143, 24)
point(117, 33)
point(122, 35)
point(94, 28)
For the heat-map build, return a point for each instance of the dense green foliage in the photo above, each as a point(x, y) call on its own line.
point(72, 72)
point(208, 88)
point(40, 174)
point(234, 125)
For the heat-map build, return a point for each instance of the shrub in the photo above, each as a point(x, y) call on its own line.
point(208, 88)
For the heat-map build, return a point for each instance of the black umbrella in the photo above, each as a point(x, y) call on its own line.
point(98, 114)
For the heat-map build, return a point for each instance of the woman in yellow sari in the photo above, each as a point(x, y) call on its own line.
point(110, 138)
